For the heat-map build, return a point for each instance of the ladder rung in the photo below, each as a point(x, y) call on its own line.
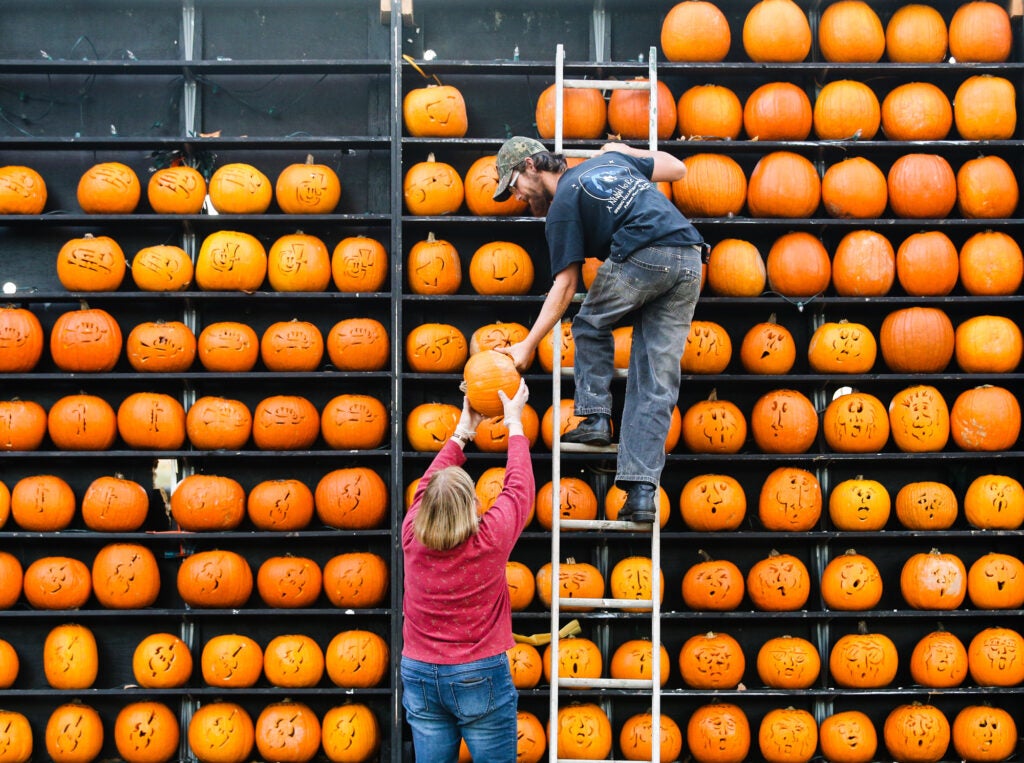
point(644, 604)
point(607, 84)
point(578, 447)
point(606, 683)
point(618, 373)
point(603, 524)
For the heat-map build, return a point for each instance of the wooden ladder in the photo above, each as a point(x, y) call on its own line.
point(653, 686)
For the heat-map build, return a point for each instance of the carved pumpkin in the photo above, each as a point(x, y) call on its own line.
point(783, 184)
point(433, 267)
point(289, 582)
point(985, 108)
point(177, 190)
point(285, 422)
point(356, 580)
point(846, 110)
point(480, 182)
point(576, 501)
point(856, 422)
point(917, 340)
point(292, 345)
point(708, 349)
point(995, 657)
point(359, 263)
point(921, 186)
point(859, 505)
point(218, 579)
point(501, 267)
point(162, 661)
point(221, 732)
point(636, 737)
point(22, 191)
point(712, 661)
point(357, 659)
point(776, 31)
point(281, 505)
point(432, 188)
point(788, 734)
point(230, 261)
point(485, 374)
point(713, 503)
point(146, 732)
point(919, 419)
point(354, 422)
point(916, 733)
point(994, 502)
point(863, 265)
point(358, 344)
point(70, 657)
point(13, 582)
point(439, 348)
point(714, 426)
point(863, 660)
point(582, 731)
point(790, 500)
point(15, 737)
point(491, 336)
point(798, 265)
point(854, 188)
point(21, 339)
point(715, 185)
point(979, 31)
point(848, 736)
point(57, 582)
point(218, 423)
point(926, 505)
point(718, 733)
point(125, 576)
point(492, 434)
point(521, 585)
point(87, 340)
point(984, 733)
point(916, 111)
point(576, 580)
point(939, 660)
point(768, 348)
point(849, 31)
point(578, 657)
point(350, 733)
point(788, 662)
point(851, 582)
point(288, 732)
point(841, 347)
point(933, 580)
point(986, 188)
point(715, 585)
point(784, 421)
point(631, 578)
point(351, 498)
point(160, 347)
point(91, 263)
point(109, 188)
point(777, 111)
point(985, 418)
point(996, 581)
point(584, 113)
point(151, 421)
point(231, 660)
point(916, 33)
point(228, 346)
point(695, 31)
point(634, 659)
point(567, 347)
point(42, 503)
point(293, 662)
point(163, 267)
point(429, 425)
point(435, 111)
point(298, 262)
point(778, 583)
point(22, 425)
point(988, 344)
point(74, 734)
point(708, 112)
point(82, 422)
point(240, 189)
point(307, 189)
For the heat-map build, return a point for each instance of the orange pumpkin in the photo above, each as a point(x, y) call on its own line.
point(162, 661)
point(778, 583)
point(285, 422)
point(109, 188)
point(927, 264)
point(768, 348)
point(718, 733)
point(790, 500)
point(74, 733)
point(176, 190)
point(715, 185)
point(988, 344)
point(849, 31)
point(486, 373)
point(492, 434)
point(856, 422)
point(984, 733)
point(435, 111)
point(357, 659)
point(521, 585)
point(991, 264)
point(228, 346)
point(307, 188)
point(713, 503)
point(582, 731)
point(151, 421)
point(788, 734)
point(979, 31)
point(848, 736)
point(230, 261)
point(146, 732)
point(43, 503)
point(501, 267)
point(933, 580)
point(359, 263)
point(16, 737)
point(986, 187)
point(712, 661)
point(851, 582)
point(429, 425)
point(798, 265)
point(91, 263)
point(21, 339)
point(926, 505)
point(695, 31)
point(160, 347)
point(784, 421)
point(715, 585)
point(854, 188)
point(846, 109)
point(218, 423)
point(281, 505)
point(995, 657)
point(783, 184)
point(57, 582)
point(578, 657)
point(863, 265)
point(479, 185)
point(919, 419)
point(863, 660)
point(584, 113)
point(985, 418)
point(576, 501)
point(859, 504)
point(708, 349)
point(356, 580)
point(921, 186)
point(916, 111)
point(22, 425)
point(916, 33)
point(82, 422)
point(70, 657)
point(87, 340)
point(709, 111)
point(576, 580)
point(439, 348)
point(916, 733)
point(917, 340)
point(354, 422)
point(432, 188)
point(292, 346)
point(13, 577)
point(776, 31)
point(985, 108)
point(635, 659)
point(125, 576)
point(22, 191)
point(231, 660)
point(433, 267)
point(628, 112)
point(788, 662)
point(939, 660)
point(293, 661)
point(994, 502)
point(351, 733)
point(996, 581)
point(351, 498)
point(841, 347)
point(218, 579)
point(777, 111)
point(221, 732)
point(298, 262)
point(736, 269)
point(714, 426)
point(546, 348)
point(240, 189)
point(358, 344)
point(208, 502)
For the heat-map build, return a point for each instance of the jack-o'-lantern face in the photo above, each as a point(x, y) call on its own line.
point(793, 498)
point(779, 582)
point(713, 502)
point(708, 349)
point(788, 734)
point(583, 732)
point(714, 426)
point(856, 421)
point(788, 662)
point(711, 661)
point(577, 658)
point(919, 418)
point(863, 660)
point(713, 585)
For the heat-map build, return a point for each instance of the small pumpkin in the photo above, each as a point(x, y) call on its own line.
point(239, 188)
point(578, 657)
point(917, 340)
point(22, 191)
point(354, 422)
point(15, 737)
point(777, 111)
point(939, 660)
point(634, 659)
point(705, 738)
point(714, 426)
point(162, 661)
point(986, 188)
point(21, 339)
point(851, 582)
point(637, 733)
point(995, 657)
point(988, 344)
point(980, 31)
point(501, 267)
point(926, 505)
point(984, 108)
point(109, 188)
point(160, 347)
point(356, 580)
point(42, 503)
point(351, 733)
point(433, 266)
point(715, 185)
point(435, 111)
point(218, 423)
point(584, 113)
point(856, 422)
point(842, 347)
point(351, 498)
point(87, 340)
point(221, 732)
point(576, 580)
point(521, 585)
point(289, 582)
point(582, 731)
point(280, 505)
point(358, 344)
point(285, 422)
point(208, 502)
point(708, 349)
point(13, 582)
point(863, 660)
point(359, 263)
point(479, 185)
point(176, 190)
point(432, 187)
point(916, 111)
point(695, 31)
point(632, 578)
point(151, 421)
point(298, 262)
point(217, 579)
point(713, 585)
point(82, 422)
point(146, 732)
point(776, 31)
point(919, 419)
point(91, 263)
point(984, 733)
point(798, 265)
point(790, 500)
point(854, 188)
point(778, 583)
point(859, 505)
point(708, 111)
point(850, 31)
point(713, 503)
point(848, 736)
point(916, 33)
point(230, 261)
point(74, 733)
point(863, 265)
point(357, 659)
point(846, 109)
point(788, 734)
point(985, 418)
point(712, 661)
point(228, 346)
point(768, 347)
point(933, 580)
point(231, 660)
point(70, 657)
point(784, 421)
point(307, 188)
point(994, 502)
point(629, 112)
point(288, 732)
point(293, 661)
point(788, 662)
point(22, 425)
point(486, 373)
point(57, 582)
point(125, 576)
point(783, 184)
point(996, 581)
point(921, 186)
point(916, 733)
point(292, 345)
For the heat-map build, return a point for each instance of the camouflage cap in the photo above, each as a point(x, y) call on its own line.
point(512, 152)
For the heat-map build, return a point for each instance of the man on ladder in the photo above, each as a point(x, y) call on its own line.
point(609, 207)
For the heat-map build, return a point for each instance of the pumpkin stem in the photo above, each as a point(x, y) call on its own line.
point(431, 238)
point(713, 396)
point(772, 318)
point(704, 555)
point(862, 627)
point(309, 159)
point(430, 156)
point(570, 560)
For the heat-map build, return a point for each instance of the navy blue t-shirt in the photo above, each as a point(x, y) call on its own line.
point(608, 207)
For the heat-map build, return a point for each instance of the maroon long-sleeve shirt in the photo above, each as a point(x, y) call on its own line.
point(456, 602)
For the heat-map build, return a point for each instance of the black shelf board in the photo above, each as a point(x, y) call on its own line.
point(32, 295)
point(247, 376)
point(196, 455)
point(176, 537)
point(134, 692)
point(134, 66)
point(872, 617)
point(269, 219)
point(191, 612)
point(196, 142)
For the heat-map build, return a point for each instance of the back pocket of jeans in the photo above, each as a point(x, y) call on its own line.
point(414, 694)
point(473, 697)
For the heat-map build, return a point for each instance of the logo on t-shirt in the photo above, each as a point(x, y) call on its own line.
point(614, 184)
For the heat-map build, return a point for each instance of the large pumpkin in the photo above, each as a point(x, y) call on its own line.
point(916, 33)
point(788, 735)
point(995, 657)
point(926, 505)
point(856, 422)
point(486, 373)
point(919, 419)
point(576, 580)
point(151, 421)
point(433, 188)
point(435, 111)
point(854, 188)
point(629, 112)
point(984, 733)
point(57, 582)
point(357, 659)
point(582, 731)
point(146, 732)
point(109, 188)
point(218, 423)
point(70, 657)
point(125, 576)
point(859, 505)
point(708, 349)
point(354, 422)
point(798, 265)
point(714, 426)
point(584, 113)
point(939, 660)
point(994, 502)
point(846, 109)
point(980, 31)
point(848, 736)
point(991, 264)
point(86, 340)
point(790, 500)
point(298, 262)
point(351, 498)
point(228, 346)
point(851, 582)
point(288, 732)
point(22, 425)
point(916, 733)
point(916, 111)
point(280, 505)
point(351, 733)
point(160, 347)
point(429, 425)
point(715, 185)
point(82, 422)
point(231, 660)
point(162, 661)
point(927, 264)
point(783, 184)
point(863, 265)
point(709, 112)
point(21, 339)
point(293, 661)
point(307, 188)
point(933, 580)
point(479, 185)
point(784, 421)
point(917, 340)
point(776, 31)
point(712, 661)
point(292, 345)
point(985, 418)
point(788, 662)
point(207, 502)
point(996, 581)
point(74, 733)
point(501, 267)
point(718, 733)
point(218, 579)
point(736, 269)
point(436, 348)
point(358, 344)
point(285, 422)
point(230, 261)
point(849, 31)
point(863, 660)
point(42, 503)
point(842, 347)
point(985, 108)
point(356, 580)
point(715, 585)
point(359, 263)
point(986, 187)
point(433, 267)
point(768, 347)
point(91, 263)
point(713, 503)
point(221, 732)
point(988, 344)
point(921, 186)
point(777, 111)
point(240, 189)
point(778, 583)
point(695, 30)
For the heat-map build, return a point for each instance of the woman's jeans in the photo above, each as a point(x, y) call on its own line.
point(475, 701)
point(661, 284)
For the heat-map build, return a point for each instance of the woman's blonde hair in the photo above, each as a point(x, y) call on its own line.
point(447, 513)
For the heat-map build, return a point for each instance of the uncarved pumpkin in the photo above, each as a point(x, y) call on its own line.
point(584, 113)
point(715, 185)
point(849, 31)
point(695, 30)
point(709, 111)
point(776, 31)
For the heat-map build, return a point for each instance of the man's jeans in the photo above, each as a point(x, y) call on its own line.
point(662, 285)
point(475, 701)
